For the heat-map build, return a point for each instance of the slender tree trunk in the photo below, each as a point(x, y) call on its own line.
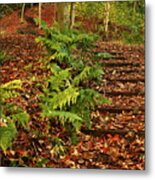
point(72, 15)
point(62, 15)
point(134, 7)
point(39, 12)
point(66, 15)
point(106, 16)
point(22, 13)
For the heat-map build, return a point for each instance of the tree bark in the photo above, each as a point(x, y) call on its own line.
point(62, 16)
point(134, 7)
point(22, 13)
point(72, 15)
point(106, 16)
point(39, 12)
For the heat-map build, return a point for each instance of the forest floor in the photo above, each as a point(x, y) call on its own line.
point(11, 23)
point(116, 140)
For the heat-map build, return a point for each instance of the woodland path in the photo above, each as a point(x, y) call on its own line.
point(117, 137)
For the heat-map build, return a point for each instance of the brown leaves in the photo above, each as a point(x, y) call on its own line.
point(108, 150)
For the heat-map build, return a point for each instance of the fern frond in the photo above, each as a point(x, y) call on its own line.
point(7, 134)
point(96, 72)
point(65, 117)
point(11, 113)
point(22, 118)
point(63, 98)
point(15, 84)
point(82, 76)
point(7, 90)
point(63, 38)
point(7, 94)
point(59, 79)
point(83, 110)
point(92, 96)
point(86, 102)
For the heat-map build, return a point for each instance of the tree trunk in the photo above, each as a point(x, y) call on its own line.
point(62, 15)
point(106, 16)
point(72, 15)
point(134, 7)
point(22, 13)
point(39, 15)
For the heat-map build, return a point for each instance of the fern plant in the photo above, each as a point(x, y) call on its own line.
point(60, 45)
point(10, 114)
point(67, 96)
point(69, 101)
point(59, 94)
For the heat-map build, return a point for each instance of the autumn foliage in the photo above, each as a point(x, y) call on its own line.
point(72, 97)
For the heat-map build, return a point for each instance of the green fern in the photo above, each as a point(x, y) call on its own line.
point(85, 41)
point(14, 84)
point(89, 73)
point(64, 95)
point(59, 79)
point(7, 90)
point(93, 97)
point(86, 102)
point(96, 72)
point(60, 45)
point(65, 99)
point(61, 99)
point(82, 76)
point(10, 114)
point(22, 118)
point(65, 117)
point(7, 134)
